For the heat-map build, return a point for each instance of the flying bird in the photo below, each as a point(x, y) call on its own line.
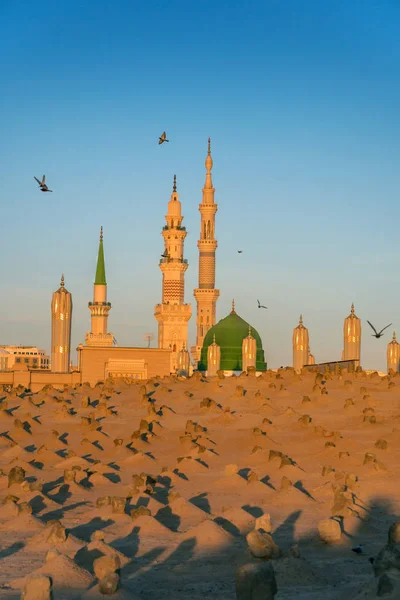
point(261, 305)
point(240, 251)
point(357, 549)
point(163, 138)
point(378, 334)
point(42, 184)
point(165, 254)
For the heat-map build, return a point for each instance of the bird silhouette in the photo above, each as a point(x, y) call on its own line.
point(357, 549)
point(42, 184)
point(378, 334)
point(261, 305)
point(165, 254)
point(163, 138)
point(240, 251)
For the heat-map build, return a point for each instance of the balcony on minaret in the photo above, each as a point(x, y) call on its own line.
point(173, 225)
point(99, 304)
point(169, 259)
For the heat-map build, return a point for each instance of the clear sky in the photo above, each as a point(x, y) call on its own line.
point(301, 101)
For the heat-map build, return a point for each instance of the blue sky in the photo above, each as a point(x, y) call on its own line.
point(301, 100)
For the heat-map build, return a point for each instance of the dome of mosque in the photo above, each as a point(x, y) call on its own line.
point(229, 335)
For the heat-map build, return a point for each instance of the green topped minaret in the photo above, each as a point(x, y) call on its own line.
point(101, 267)
point(100, 308)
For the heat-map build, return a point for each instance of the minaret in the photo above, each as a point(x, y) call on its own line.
point(249, 351)
point(310, 357)
point(173, 314)
point(352, 338)
point(206, 295)
point(393, 355)
point(99, 308)
point(213, 359)
point(300, 346)
point(61, 319)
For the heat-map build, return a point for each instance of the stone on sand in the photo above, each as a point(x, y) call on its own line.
point(37, 587)
point(105, 565)
point(109, 584)
point(263, 523)
point(262, 545)
point(329, 531)
point(16, 475)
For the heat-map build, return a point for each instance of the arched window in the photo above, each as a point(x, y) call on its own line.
point(205, 231)
point(208, 230)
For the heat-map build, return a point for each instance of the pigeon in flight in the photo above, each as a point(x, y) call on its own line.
point(261, 305)
point(42, 184)
point(378, 334)
point(165, 255)
point(163, 138)
point(240, 251)
point(358, 549)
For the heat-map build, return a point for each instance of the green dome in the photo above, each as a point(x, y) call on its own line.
point(229, 335)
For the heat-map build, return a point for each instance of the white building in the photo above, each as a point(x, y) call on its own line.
point(31, 356)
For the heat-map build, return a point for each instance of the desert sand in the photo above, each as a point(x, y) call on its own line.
point(166, 478)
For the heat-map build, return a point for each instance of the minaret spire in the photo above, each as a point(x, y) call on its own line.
point(100, 278)
point(174, 186)
point(62, 280)
point(205, 294)
point(209, 164)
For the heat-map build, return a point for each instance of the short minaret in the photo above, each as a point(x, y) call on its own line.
point(206, 295)
point(393, 355)
point(61, 320)
point(213, 359)
point(310, 357)
point(173, 314)
point(249, 351)
point(99, 308)
point(352, 338)
point(183, 362)
point(300, 346)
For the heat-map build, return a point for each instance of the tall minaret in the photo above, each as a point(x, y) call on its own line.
point(393, 355)
point(173, 314)
point(99, 308)
point(206, 295)
point(61, 319)
point(300, 346)
point(352, 338)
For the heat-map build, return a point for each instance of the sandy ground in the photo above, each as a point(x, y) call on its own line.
point(194, 538)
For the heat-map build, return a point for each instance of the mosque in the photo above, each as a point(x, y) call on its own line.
point(231, 345)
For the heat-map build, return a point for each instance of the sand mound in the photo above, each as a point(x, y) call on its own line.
point(241, 521)
point(149, 526)
point(23, 522)
point(208, 536)
point(86, 556)
point(64, 573)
